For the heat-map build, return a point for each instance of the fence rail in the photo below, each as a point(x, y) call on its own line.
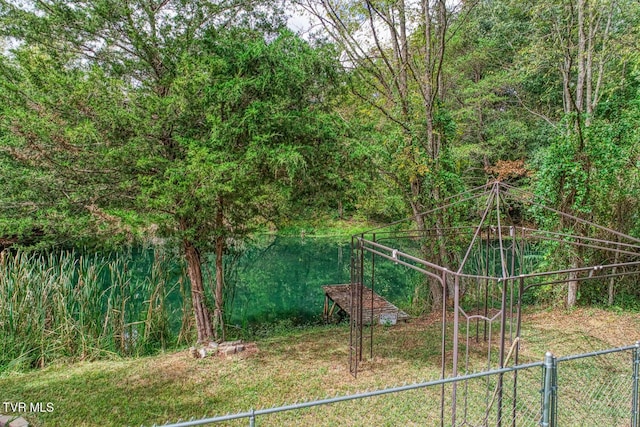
point(597, 388)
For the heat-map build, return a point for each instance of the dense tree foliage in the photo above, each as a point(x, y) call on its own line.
point(204, 121)
point(165, 114)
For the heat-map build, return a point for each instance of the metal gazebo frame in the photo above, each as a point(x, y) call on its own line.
point(489, 270)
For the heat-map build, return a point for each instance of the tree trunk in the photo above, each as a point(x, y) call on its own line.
point(203, 318)
point(572, 292)
point(405, 76)
point(581, 58)
point(435, 287)
point(612, 280)
point(566, 86)
point(443, 253)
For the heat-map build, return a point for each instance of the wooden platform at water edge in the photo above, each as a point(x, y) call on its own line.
point(383, 311)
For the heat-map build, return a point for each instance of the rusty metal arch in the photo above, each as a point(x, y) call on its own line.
point(510, 280)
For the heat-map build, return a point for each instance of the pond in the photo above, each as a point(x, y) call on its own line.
point(277, 278)
point(131, 302)
point(114, 297)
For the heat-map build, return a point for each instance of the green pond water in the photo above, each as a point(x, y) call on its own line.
point(277, 278)
point(271, 279)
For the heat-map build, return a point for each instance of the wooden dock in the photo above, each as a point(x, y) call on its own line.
point(340, 297)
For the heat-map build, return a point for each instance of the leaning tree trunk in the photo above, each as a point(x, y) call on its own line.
point(200, 310)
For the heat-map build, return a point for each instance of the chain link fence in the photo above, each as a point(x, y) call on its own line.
point(598, 388)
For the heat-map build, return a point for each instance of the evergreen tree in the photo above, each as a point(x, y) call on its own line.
point(198, 117)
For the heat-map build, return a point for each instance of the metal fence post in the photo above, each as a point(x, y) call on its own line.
point(548, 391)
point(252, 419)
point(554, 393)
point(635, 415)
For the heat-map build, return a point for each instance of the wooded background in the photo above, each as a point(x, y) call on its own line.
point(202, 122)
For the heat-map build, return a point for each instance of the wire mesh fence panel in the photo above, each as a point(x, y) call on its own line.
point(508, 399)
point(599, 388)
point(419, 407)
point(595, 390)
point(521, 391)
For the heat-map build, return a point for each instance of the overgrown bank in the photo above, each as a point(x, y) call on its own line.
point(63, 307)
point(68, 306)
point(84, 305)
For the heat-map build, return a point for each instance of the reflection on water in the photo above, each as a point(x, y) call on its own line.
point(278, 278)
point(131, 302)
point(282, 277)
point(268, 279)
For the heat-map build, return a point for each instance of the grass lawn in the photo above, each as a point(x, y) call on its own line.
point(300, 365)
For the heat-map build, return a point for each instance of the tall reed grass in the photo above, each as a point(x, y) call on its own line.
point(71, 306)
